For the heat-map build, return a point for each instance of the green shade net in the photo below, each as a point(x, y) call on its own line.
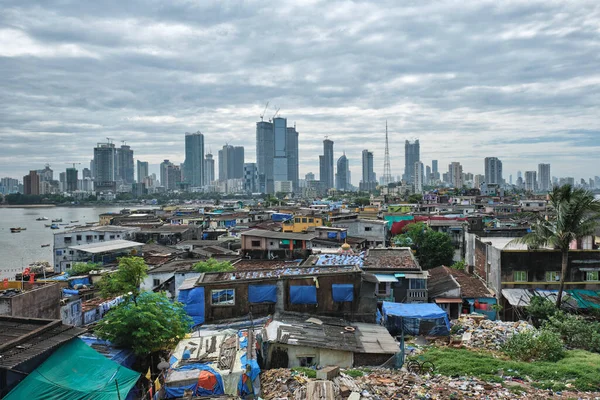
point(76, 372)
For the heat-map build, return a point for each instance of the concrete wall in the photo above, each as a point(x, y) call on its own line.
point(70, 313)
point(42, 302)
point(322, 357)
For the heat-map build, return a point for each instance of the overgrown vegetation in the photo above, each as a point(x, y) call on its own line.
point(84, 268)
point(150, 324)
point(579, 368)
point(126, 279)
point(355, 373)
point(459, 265)
point(540, 309)
point(432, 248)
point(309, 372)
point(212, 265)
point(542, 345)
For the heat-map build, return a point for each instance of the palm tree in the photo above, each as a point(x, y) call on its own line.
point(572, 214)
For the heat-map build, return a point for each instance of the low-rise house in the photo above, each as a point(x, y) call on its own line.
point(376, 232)
point(302, 223)
point(170, 276)
point(398, 273)
point(168, 235)
point(299, 340)
point(532, 205)
point(458, 292)
point(333, 238)
point(40, 300)
point(101, 252)
point(263, 287)
point(261, 244)
point(93, 310)
point(65, 256)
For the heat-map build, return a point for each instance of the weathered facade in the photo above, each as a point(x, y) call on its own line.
point(40, 302)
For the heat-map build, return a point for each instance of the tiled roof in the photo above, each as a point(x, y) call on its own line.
point(470, 286)
point(391, 259)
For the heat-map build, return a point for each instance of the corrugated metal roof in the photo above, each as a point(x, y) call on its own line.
point(381, 278)
point(517, 297)
point(279, 235)
point(102, 247)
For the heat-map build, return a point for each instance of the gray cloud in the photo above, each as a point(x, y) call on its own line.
point(513, 79)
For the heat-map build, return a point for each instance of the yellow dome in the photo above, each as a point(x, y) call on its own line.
point(345, 247)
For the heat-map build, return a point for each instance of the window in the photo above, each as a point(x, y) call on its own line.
point(367, 228)
point(296, 219)
point(552, 276)
point(417, 283)
point(155, 282)
point(311, 220)
point(78, 237)
point(88, 238)
point(68, 266)
point(271, 243)
point(68, 239)
point(592, 276)
point(59, 252)
point(101, 237)
point(520, 276)
point(256, 243)
point(383, 288)
point(306, 361)
point(71, 251)
point(118, 236)
point(224, 297)
point(304, 220)
point(112, 236)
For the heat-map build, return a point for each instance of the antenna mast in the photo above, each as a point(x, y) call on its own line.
point(387, 169)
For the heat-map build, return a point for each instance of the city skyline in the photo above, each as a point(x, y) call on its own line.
point(529, 98)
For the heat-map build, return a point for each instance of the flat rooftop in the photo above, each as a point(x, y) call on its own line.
point(276, 273)
point(279, 235)
point(103, 247)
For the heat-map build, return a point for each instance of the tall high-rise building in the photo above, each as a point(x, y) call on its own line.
point(326, 164)
point(291, 149)
point(530, 181)
point(456, 175)
point(93, 168)
point(142, 171)
point(209, 169)
point(46, 174)
point(164, 173)
point(435, 173)
point(478, 180)
point(412, 154)
point(544, 177)
point(230, 160)
point(31, 183)
point(368, 181)
point(428, 178)
point(265, 156)
point(124, 164)
point(341, 176)
point(104, 165)
point(9, 185)
point(418, 177)
point(309, 177)
point(86, 173)
point(250, 178)
point(493, 170)
point(193, 171)
point(72, 179)
point(173, 177)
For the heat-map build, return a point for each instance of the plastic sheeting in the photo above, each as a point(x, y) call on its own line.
point(262, 294)
point(303, 295)
point(73, 372)
point(79, 281)
point(193, 303)
point(332, 235)
point(70, 292)
point(249, 383)
point(415, 319)
point(209, 382)
point(342, 292)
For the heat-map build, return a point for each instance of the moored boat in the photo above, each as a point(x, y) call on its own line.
point(42, 219)
point(74, 221)
point(47, 225)
point(54, 226)
point(46, 245)
point(18, 229)
point(57, 220)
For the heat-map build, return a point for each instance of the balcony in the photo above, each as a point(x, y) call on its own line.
point(416, 296)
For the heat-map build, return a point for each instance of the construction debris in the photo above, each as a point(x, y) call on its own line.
point(384, 384)
point(486, 334)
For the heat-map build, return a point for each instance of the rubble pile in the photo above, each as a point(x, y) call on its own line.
point(489, 335)
point(384, 384)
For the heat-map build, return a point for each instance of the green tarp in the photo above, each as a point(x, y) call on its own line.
point(76, 372)
point(585, 298)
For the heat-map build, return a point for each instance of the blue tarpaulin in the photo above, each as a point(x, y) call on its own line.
point(415, 319)
point(70, 292)
point(342, 292)
point(262, 294)
point(79, 281)
point(246, 384)
point(332, 235)
point(193, 303)
point(303, 295)
point(209, 383)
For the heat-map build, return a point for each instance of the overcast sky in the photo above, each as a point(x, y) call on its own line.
point(518, 80)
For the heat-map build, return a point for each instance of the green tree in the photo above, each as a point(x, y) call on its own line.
point(212, 265)
point(415, 198)
point(573, 214)
point(432, 248)
point(126, 279)
point(84, 268)
point(151, 324)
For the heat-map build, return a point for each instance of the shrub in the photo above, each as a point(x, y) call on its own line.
point(459, 265)
point(535, 346)
point(212, 265)
point(84, 268)
point(541, 309)
point(575, 331)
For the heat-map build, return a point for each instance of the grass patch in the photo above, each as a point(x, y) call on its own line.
point(309, 372)
point(355, 373)
point(579, 368)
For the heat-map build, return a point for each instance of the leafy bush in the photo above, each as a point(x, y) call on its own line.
point(577, 332)
point(212, 265)
point(355, 373)
point(541, 309)
point(309, 372)
point(459, 265)
point(84, 268)
point(535, 346)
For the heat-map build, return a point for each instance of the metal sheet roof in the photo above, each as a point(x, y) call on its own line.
point(279, 235)
point(381, 278)
point(517, 297)
point(103, 247)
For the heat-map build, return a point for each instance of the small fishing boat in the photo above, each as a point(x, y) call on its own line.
point(46, 245)
point(47, 225)
point(16, 230)
point(74, 221)
point(42, 219)
point(57, 220)
point(54, 226)
point(63, 224)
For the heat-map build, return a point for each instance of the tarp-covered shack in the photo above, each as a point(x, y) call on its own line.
point(415, 319)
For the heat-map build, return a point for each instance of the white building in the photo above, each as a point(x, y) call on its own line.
point(418, 177)
point(66, 244)
point(284, 187)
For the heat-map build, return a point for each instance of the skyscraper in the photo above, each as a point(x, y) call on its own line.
point(341, 176)
point(164, 173)
point(368, 181)
point(104, 166)
point(427, 178)
point(31, 183)
point(209, 169)
point(456, 175)
point(544, 177)
point(193, 170)
point(418, 177)
point(435, 173)
point(231, 163)
point(530, 181)
point(326, 164)
point(412, 154)
point(250, 178)
point(142, 171)
point(265, 155)
point(309, 177)
point(124, 164)
point(293, 159)
point(72, 179)
point(238, 162)
point(493, 170)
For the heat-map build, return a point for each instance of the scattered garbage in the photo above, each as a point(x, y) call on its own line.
point(487, 334)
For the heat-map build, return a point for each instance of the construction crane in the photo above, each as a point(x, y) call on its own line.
point(109, 139)
point(73, 163)
point(264, 111)
point(276, 112)
point(124, 142)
